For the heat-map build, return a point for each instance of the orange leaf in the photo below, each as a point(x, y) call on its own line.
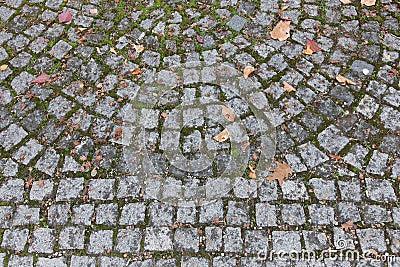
point(247, 70)
point(287, 87)
point(135, 71)
point(280, 173)
point(335, 156)
point(3, 67)
point(342, 79)
point(368, 2)
point(281, 31)
point(222, 136)
point(228, 113)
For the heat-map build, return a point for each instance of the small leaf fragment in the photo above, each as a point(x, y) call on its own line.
point(281, 31)
point(3, 67)
point(112, 50)
point(368, 2)
point(65, 16)
point(252, 172)
point(135, 71)
point(347, 226)
point(335, 156)
point(93, 11)
point(287, 87)
point(199, 39)
point(138, 48)
point(280, 173)
point(342, 79)
point(228, 113)
point(247, 70)
point(42, 78)
point(222, 136)
point(345, 1)
point(163, 114)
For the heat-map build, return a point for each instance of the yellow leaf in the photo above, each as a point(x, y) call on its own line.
point(284, 8)
point(287, 87)
point(368, 2)
point(308, 50)
point(342, 79)
point(164, 115)
point(281, 172)
point(138, 48)
point(222, 136)
point(228, 113)
point(3, 67)
point(247, 70)
point(281, 31)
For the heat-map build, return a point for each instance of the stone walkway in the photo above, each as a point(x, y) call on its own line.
point(101, 157)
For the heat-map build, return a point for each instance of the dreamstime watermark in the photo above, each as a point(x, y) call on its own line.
point(340, 254)
point(160, 106)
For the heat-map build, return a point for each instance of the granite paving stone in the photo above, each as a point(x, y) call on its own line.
point(86, 175)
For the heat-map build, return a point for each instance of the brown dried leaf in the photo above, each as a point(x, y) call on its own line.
point(281, 31)
point(347, 226)
point(287, 87)
point(280, 173)
point(138, 48)
point(368, 2)
point(222, 136)
point(135, 71)
point(228, 113)
point(311, 47)
point(335, 156)
point(247, 70)
point(42, 78)
point(342, 79)
point(252, 172)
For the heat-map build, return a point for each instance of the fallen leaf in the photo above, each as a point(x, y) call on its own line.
point(138, 48)
point(112, 50)
point(345, 1)
point(93, 11)
point(228, 113)
point(281, 30)
point(65, 16)
point(135, 71)
point(284, 8)
point(311, 47)
point(368, 2)
point(3, 67)
point(42, 78)
point(252, 172)
point(164, 115)
point(287, 87)
point(247, 70)
point(222, 136)
point(342, 79)
point(347, 226)
point(280, 173)
point(199, 39)
point(335, 156)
